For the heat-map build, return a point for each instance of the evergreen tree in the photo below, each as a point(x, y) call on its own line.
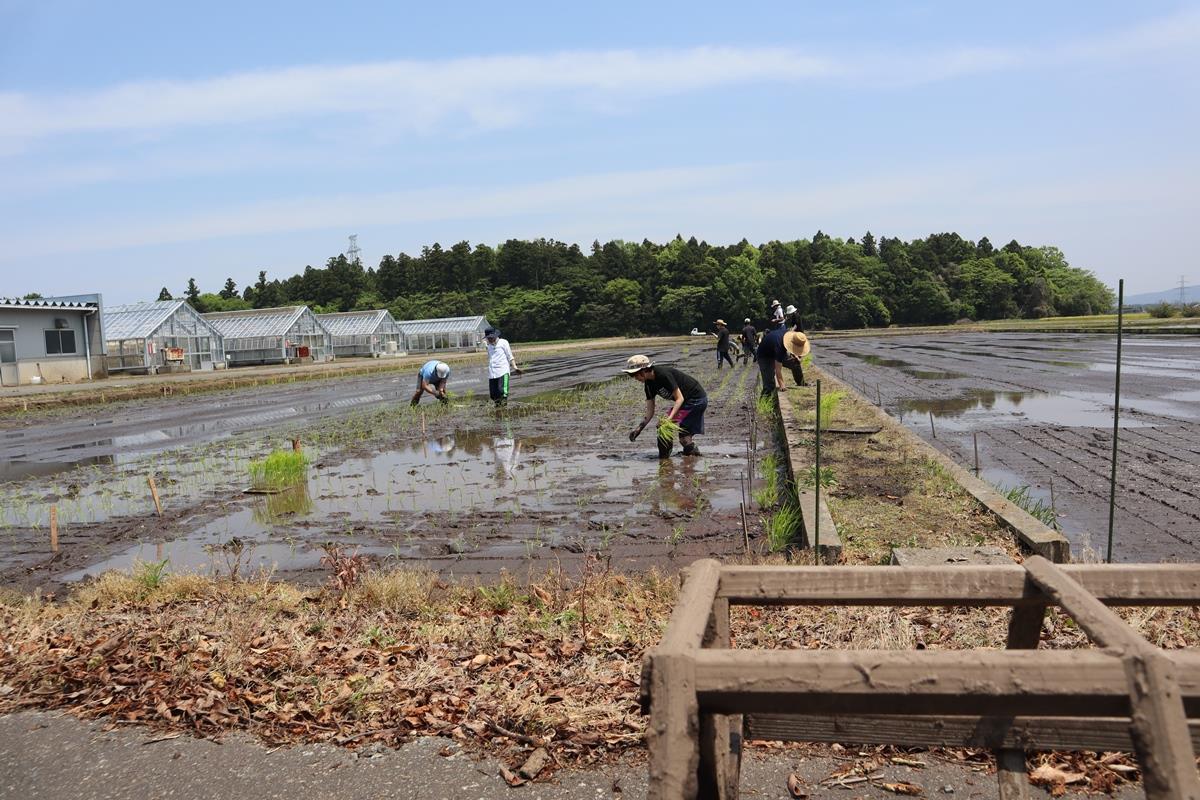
point(192, 294)
point(230, 290)
point(163, 294)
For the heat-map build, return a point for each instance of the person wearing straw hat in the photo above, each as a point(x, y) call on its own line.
point(723, 343)
point(795, 342)
point(688, 398)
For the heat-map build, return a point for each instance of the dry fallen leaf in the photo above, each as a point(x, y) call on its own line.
point(796, 786)
point(903, 787)
point(511, 778)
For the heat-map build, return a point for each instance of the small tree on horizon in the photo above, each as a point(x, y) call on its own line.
point(164, 294)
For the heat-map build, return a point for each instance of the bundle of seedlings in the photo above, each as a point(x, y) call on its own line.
point(279, 470)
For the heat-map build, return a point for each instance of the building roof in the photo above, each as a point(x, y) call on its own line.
point(413, 327)
point(358, 323)
point(138, 320)
point(47, 302)
point(255, 321)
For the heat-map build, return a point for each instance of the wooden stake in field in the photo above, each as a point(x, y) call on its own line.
point(932, 430)
point(975, 439)
point(296, 448)
point(54, 529)
point(422, 423)
point(817, 483)
point(154, 494)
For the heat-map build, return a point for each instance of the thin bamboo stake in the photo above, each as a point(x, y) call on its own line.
point(296, 446)
point(1112, 481)
point(932, 430)
point(54, 528)
point(154, 494)
point(975, 439)
point(817, 483)
point(745, 529)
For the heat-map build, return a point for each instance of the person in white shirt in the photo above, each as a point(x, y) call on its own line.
point(500, 364)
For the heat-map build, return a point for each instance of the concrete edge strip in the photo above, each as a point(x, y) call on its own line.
point(1035, 535)
point(830, 546)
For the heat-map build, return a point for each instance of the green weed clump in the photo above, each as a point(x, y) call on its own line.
point(781, 527)
point(829, 404)
point(806, 362)
point(1162, 310)
point(766, 406)
point(149, 575)
point(1037, 508)
point(827, 478)
point(767, 495)
point(280, 469)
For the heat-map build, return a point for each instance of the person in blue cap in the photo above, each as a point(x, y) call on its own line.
point(432, 378)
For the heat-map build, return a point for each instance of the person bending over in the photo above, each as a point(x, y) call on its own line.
point(688, 399)
point(432, 378)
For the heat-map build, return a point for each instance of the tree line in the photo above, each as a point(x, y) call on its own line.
point(545, 289)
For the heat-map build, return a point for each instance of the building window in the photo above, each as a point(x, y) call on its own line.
point(8, 348)
point(59, 342)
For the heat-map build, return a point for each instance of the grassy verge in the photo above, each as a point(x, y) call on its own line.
point(882, 493)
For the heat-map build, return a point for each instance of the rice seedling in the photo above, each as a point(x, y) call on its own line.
point(149, 575)
point(667, 430)
point(781, 527)
point(766, 407)
point(279, 469)
point(806, 362)
point(829, 404)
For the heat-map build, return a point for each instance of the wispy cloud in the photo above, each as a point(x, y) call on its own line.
point(503, 91)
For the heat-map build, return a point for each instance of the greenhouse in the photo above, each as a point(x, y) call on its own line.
point(369, 334)
point(160, 336)
point(445, 333)
point(281, 335)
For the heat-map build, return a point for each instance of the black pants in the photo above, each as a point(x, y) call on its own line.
point(766, 368)
point(797, 368)
point(723, 355)
point(498, 389)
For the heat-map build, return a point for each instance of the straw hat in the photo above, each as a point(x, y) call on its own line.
point(796, 343)
point(720, 322)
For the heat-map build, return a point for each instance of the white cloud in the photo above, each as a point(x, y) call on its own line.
point(503, 90)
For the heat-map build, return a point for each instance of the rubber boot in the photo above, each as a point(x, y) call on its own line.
point(689, 448)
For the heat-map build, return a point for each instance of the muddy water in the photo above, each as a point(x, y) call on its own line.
point(1041, 408)
point(467, 490)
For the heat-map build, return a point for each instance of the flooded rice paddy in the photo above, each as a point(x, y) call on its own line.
point(465, 490)
point(1041, 409)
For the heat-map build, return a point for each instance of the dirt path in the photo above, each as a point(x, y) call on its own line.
point(1041, 406)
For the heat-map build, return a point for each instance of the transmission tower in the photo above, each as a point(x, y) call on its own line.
point(353, 253)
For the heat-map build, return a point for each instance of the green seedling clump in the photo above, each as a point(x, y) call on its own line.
point(667, 430)
point(1037, 508)
point(280, 469)
point(829, 404)
point(781, 527)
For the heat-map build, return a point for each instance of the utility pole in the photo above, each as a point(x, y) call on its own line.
point(1181, 279)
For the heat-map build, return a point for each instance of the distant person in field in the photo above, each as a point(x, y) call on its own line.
point(771, 355)
point(723, 343)
point(688, 402)
point(500, 364)
point(432, 378)
point(791, 317)
point(777, 314)
point(749, 341)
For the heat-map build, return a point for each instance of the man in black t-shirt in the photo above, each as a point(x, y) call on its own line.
point(722, 343)
point(749, 341)
point(688, 398)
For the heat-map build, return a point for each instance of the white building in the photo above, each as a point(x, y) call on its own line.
point(51, 340)
point(281, 335)
point(364, 333)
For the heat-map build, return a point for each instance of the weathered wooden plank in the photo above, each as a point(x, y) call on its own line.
point(1142, 584)
point(1160, 732)
point(1010, 773)
point(672, 737)
point(991, 733)
point(693, 608)
point(720, 765)
point(1085, 683)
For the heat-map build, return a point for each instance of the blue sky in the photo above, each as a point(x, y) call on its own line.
point(143, 143)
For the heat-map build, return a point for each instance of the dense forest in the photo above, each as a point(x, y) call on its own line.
point(546, 289)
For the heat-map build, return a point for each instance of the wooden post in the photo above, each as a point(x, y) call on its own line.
point(296, 448)
point(54, 529)
point(422, 423)
point(975, 439)
point(932, 430)
point(154, 494)
point(1112, 481)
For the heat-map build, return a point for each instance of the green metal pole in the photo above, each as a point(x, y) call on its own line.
point(817, 484)
point(1112, 481)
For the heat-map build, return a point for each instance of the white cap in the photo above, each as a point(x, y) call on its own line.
point(442, 369)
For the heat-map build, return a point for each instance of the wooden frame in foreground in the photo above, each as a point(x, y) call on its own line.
point(1124, 694)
